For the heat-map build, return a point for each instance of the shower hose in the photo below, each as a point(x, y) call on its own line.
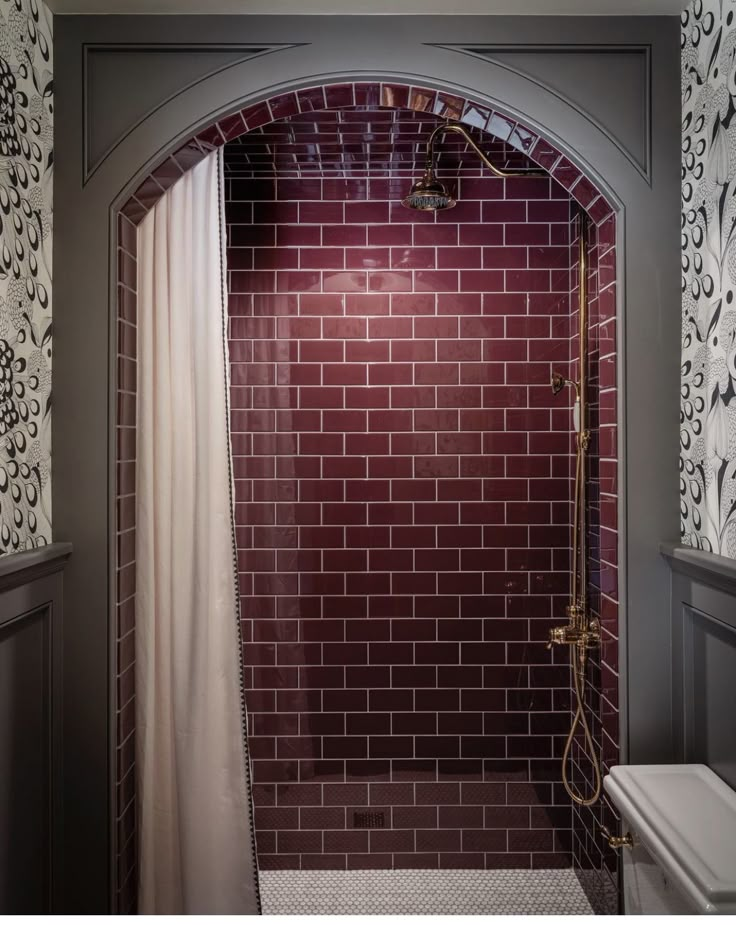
point(578, 654)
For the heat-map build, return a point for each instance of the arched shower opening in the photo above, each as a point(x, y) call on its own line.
point(403, 481)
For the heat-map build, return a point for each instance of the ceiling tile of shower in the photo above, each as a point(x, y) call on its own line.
point(358, 142)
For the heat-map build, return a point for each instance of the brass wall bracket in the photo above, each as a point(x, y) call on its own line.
point(617, 841)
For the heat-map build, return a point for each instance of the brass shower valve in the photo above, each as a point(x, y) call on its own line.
point(586, 637)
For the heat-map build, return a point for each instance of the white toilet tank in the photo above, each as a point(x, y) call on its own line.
point(683, 822)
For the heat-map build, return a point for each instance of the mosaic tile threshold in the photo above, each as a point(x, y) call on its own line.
point(421, 892)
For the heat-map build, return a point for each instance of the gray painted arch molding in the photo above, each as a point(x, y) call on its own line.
point(153, 74)
point(573, 74)
point(378, 49)
point(316, 50)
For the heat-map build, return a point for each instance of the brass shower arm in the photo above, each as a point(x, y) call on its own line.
point(461, 130)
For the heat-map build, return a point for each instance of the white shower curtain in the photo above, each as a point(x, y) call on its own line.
point(195, 827)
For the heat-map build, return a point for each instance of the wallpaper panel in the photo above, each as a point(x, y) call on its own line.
point(26, 170)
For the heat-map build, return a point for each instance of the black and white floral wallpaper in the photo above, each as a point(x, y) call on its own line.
point(26, 172)
point(708, 409)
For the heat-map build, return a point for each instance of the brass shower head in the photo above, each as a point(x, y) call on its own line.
point(428, 194)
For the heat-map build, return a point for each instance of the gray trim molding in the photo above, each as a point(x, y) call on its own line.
point(95, 151)
point(705, 567)
point(25, 567)
point(703, 641)
point(31, 725)
point(577, 90)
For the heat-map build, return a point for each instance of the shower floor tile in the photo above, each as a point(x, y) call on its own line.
point(421, 892)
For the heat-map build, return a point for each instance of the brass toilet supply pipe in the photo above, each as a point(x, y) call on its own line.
point(582, 632)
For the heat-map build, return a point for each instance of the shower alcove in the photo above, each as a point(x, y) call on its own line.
point(403, 470)
point(402, 481)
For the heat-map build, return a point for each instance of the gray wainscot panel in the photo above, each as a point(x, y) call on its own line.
point(30, 729)
point(704, 658)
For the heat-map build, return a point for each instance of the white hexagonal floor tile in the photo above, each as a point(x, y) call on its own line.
point(423, 892)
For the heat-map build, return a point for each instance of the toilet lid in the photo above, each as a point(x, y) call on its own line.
point(685, 815)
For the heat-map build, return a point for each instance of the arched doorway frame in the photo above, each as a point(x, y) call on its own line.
point(437, 104)
point(340, 48)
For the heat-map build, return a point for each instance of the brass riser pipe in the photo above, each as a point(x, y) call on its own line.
point(583, 433)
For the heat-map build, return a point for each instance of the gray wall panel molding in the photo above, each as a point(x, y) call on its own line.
point(704, 659)
point(573, 73)
point(150, 83)
point(703, 634)
point(328, 49)
point(25, 567)
point(706, 567)
point(31, 753)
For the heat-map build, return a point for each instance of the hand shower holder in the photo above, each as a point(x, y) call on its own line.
point(617, 841)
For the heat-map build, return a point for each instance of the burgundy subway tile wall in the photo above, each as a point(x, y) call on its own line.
point(380, 679)
point(597, 865)
point(402, 483)
point(125, 431)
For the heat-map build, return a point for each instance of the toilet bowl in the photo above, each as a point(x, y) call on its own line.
point(682, 819)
